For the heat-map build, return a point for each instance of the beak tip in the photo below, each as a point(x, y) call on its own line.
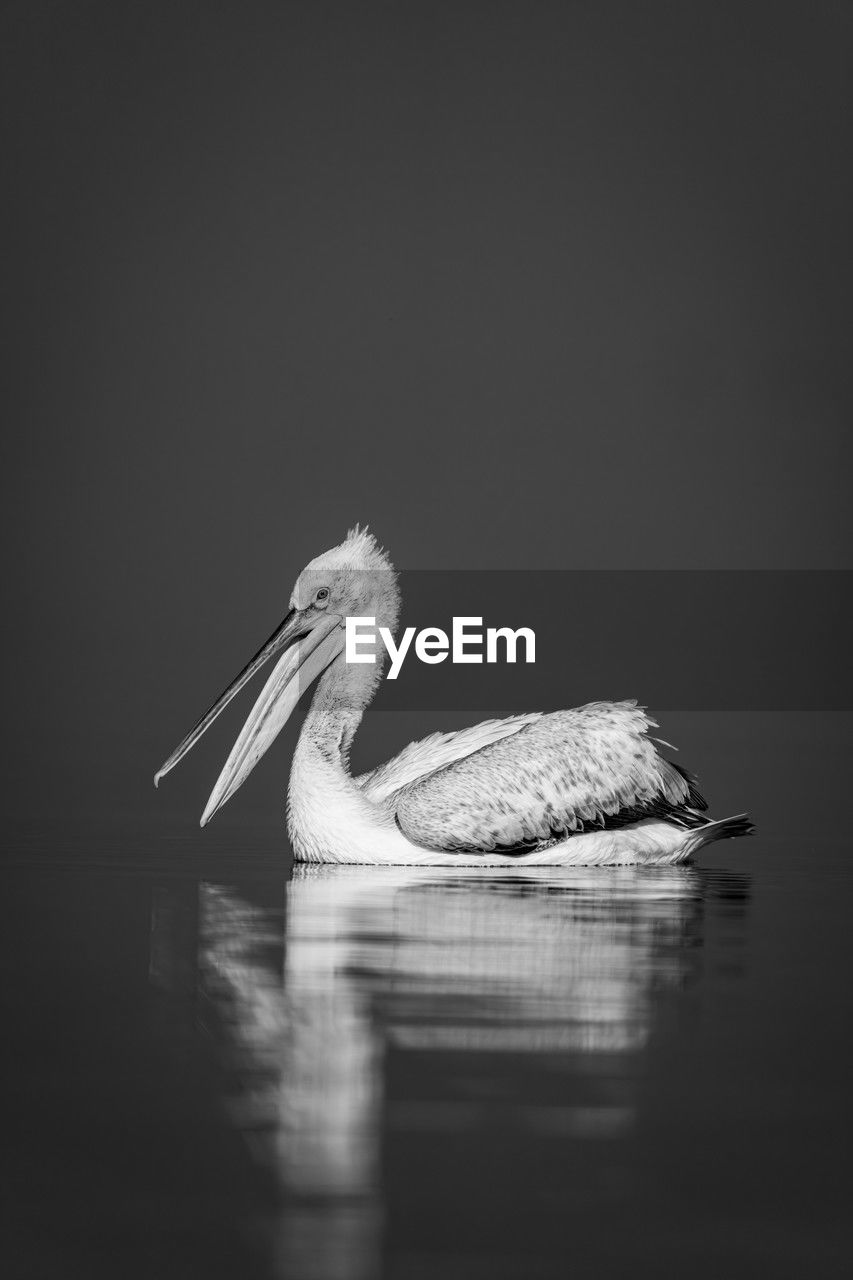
point(157, 777)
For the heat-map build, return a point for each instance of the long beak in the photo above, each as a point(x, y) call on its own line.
point(290, 630)
point(291, 676)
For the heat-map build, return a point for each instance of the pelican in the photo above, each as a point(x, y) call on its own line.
point(586, 787)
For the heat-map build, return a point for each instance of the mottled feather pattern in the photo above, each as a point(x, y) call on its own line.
point(556, 775)
point(420, 759)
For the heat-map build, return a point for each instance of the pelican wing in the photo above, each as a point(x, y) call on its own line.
point(420, 759)
point(557, 774)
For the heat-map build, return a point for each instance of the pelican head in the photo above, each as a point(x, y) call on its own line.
point(354, 579)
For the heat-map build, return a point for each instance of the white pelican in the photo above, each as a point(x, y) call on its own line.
point(583, 787)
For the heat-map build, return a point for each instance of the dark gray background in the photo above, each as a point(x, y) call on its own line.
point(524, 286)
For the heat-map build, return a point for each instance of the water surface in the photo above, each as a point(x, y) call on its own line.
point(230, 1070)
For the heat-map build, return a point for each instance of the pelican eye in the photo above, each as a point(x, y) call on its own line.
point(322, 596)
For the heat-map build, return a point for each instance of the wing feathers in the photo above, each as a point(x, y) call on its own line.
point(421, 759)
point(554, 775)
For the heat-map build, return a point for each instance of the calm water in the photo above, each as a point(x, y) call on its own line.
point(217, 1067)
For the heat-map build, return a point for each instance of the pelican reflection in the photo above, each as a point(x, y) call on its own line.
point(370, 961)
